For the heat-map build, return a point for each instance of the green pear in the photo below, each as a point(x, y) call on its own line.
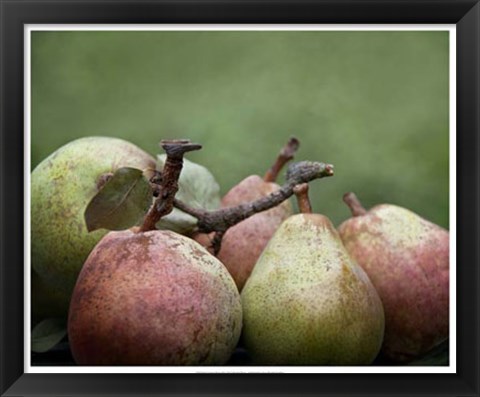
point(61, 187)
point(307, 303)
point(407, 259)
point(153, 298)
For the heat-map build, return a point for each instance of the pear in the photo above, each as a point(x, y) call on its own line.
point(243, 243)
point(307, 303)
point(61, 187)
point(407, 259)
point(153, 298)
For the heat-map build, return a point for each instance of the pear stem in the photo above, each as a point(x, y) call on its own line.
point(220, 220)
point(354, 204)
point(163, 205)
point(301, 191)
point(286, 154)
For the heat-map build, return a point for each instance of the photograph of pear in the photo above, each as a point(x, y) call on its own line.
point(306, 302)
point(191, 200)
point(153, 298)
point(61, 187)
point(407, 259)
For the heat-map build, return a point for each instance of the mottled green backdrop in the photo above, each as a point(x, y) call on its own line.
point(374, 104)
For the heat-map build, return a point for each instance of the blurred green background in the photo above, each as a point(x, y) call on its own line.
point(374, 104)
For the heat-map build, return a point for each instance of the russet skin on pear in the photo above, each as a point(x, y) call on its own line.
point(407, 259)
point(153, 298)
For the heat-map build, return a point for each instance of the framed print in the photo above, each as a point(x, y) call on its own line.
point(249, 198)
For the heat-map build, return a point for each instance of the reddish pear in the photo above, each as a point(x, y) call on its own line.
point(153, 298)
point(407, 259)
point(243, 243)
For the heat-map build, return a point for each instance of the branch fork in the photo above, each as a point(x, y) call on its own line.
point(219, 221)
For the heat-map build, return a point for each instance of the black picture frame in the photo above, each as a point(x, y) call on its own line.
point(465, 14)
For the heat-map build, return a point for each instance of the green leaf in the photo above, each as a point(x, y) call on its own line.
point(436, 357)
point(198, 188)
point(121, 203)
point(48, 333)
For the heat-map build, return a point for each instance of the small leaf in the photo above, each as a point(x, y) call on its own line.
point(48, 333)
point(121, 203)
point(198, 188)
point(436, 357)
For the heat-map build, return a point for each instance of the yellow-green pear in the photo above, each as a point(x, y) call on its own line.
point(306, 302)
point(61, 187)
